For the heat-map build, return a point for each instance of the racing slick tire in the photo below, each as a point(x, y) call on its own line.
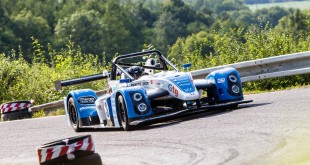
point(21, 114)
point(122, 111)
point(73, 115)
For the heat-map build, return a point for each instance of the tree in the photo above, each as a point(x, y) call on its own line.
point(199, 43)
point(296, 23)
point(85, 28)
point(27, 26)
point(167, 30)
point(116, 33)
point(7, 37)
point(270, 16)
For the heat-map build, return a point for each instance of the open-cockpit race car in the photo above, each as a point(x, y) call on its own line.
point(144, 87)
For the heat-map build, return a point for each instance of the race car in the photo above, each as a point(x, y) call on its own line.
point(145, 87)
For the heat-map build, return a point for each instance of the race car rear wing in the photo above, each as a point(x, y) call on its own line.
point(61, 83)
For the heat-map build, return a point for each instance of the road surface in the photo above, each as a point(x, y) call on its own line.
point(274, 129)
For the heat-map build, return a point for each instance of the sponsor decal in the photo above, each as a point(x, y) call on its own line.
point(87, 100)
point(183, 82)
point(136, 84)
point(221, 80)
point(173, 90)
point(192, 93)
point(86, 108)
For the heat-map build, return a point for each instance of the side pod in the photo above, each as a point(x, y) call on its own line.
point(228, 84)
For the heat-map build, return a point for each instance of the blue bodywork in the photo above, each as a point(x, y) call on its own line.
point(184, 83)
point(85, 110)
point(131, 104)
point(88, 110)
point(224, 84)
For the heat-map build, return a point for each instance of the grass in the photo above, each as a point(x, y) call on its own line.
point(41, 113)
point(247, 92)
point(294, 4)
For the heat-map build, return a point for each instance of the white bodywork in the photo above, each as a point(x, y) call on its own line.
point(162, 80)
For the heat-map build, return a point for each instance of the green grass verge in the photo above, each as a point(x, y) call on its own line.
point(248, 92)
point(41, 113)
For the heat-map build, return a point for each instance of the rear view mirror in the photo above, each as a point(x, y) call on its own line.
point(186, 66)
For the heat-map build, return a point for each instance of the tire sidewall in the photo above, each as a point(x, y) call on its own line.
point(123, 117)
point(74, 126)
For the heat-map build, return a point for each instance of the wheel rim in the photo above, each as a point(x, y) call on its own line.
point(73, 115)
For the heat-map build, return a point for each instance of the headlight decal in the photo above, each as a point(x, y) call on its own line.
point(232, 78)
point(137, 96)
point(235, 89)
point(234, 85)
point(142, 107)
point(139, 103)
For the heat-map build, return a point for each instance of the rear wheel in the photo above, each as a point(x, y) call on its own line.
point(73, 115)
point(121, 106)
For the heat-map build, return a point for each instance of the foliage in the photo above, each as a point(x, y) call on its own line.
point(84, 27)
point(239, 45)
point(22, 80)
point(42, 113)
point(38, 114)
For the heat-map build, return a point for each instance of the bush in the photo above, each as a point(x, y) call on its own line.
point(24, 81)
point(239, 45)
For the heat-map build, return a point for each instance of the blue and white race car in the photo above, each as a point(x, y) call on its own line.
point(144, 87)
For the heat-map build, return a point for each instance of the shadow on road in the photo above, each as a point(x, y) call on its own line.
point(182, 118)
point(196, 115)
point(242, 106)
point(178, 119)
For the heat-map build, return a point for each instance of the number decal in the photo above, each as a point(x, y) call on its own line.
point(173, 90)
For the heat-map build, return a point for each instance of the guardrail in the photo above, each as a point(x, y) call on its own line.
point(278, 66)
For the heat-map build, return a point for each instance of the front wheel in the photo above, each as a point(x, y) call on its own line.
point(73, 115)
point(122, 111)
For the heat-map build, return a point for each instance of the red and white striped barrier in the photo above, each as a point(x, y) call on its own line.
point(15, 106)
point(52, 152)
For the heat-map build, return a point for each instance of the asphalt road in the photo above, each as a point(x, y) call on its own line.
point(274, 129)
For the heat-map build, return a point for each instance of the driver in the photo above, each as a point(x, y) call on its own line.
point(135, 71)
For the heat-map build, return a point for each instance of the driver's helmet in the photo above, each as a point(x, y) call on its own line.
point(135, 71)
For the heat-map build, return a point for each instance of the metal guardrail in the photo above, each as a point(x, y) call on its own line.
point(278, 66)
